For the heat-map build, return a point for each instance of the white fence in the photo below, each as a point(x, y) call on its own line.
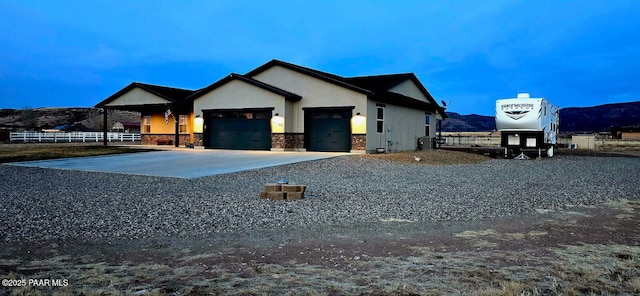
point(59, 137)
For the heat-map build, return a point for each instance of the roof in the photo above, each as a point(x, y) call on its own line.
point(379, 82)
point(328, 77)
point(233, 76)
point(380, 85)
point(174, 95)
point(376, 87)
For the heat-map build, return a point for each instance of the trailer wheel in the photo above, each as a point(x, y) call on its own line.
point(550, 151)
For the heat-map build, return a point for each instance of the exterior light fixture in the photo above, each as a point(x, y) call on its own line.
point(277, 124)
point(358, 124)
point(198, 123)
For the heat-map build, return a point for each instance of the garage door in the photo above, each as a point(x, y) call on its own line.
point(238, 129)
point(328, 130)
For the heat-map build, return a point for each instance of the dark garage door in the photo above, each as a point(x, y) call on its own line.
point(328, 130)
point(239, 130)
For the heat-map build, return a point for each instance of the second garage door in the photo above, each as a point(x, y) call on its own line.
point(328, 129)
point(237, 129)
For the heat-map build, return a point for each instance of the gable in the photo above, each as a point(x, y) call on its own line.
point(313, 90)
point(409, 89)
point(238, 94)
point(137, 97)
point(319, 75)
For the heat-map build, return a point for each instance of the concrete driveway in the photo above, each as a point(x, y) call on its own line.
point(183, 163)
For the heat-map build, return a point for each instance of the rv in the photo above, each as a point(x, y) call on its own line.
point(527, 124)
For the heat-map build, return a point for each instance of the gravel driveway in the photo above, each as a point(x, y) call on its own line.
point(39, 204)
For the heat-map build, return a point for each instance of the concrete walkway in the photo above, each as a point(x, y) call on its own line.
point(180, 163)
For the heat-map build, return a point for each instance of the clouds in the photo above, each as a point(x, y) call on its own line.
point(470, 52)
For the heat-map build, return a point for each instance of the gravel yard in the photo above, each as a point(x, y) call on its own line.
point(46, 204)
point(370, 226)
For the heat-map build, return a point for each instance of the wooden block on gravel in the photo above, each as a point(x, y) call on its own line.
point(272, 187)
point(263, 194)
point(276, 195)
point(294, 195)
point(290, 188)
point(303, 188)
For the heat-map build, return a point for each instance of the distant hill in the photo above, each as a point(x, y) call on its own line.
point(600, 118)
point(573, 119)
point(468, 123)
point(46, 118)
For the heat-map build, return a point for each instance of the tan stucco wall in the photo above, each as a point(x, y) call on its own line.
point(409, 89)
point(314, 92)
point(137, 96)
point(238, 95)
point(402, 126)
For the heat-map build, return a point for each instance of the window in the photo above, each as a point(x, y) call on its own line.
point(426, 124)
point(380, 120)
point(183, 123)
point(146, 123)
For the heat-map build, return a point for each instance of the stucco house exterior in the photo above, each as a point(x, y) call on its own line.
point(285, 107)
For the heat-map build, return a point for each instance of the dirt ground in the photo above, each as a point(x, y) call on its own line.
point(575, 252)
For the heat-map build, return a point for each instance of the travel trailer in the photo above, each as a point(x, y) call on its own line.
point(527, 124)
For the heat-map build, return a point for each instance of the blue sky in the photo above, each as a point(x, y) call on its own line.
point(468, 53)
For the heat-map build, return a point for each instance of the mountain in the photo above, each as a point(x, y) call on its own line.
point(46, 118)
point(600, 118)
point(572, 119)
point(468, 123)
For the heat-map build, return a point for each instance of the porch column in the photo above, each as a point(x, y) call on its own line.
point(104, 126)
point(177, 120)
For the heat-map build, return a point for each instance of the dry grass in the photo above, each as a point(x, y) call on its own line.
point(569, 270)
point(491, 269)
point(28, 152)
point(432, 157)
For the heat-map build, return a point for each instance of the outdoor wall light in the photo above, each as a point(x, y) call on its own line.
point(358, 124)
point(277, 124)
point(198, 123)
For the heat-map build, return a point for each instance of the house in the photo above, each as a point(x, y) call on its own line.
point(126, 127)
point(285, 107)
point(69, 127)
